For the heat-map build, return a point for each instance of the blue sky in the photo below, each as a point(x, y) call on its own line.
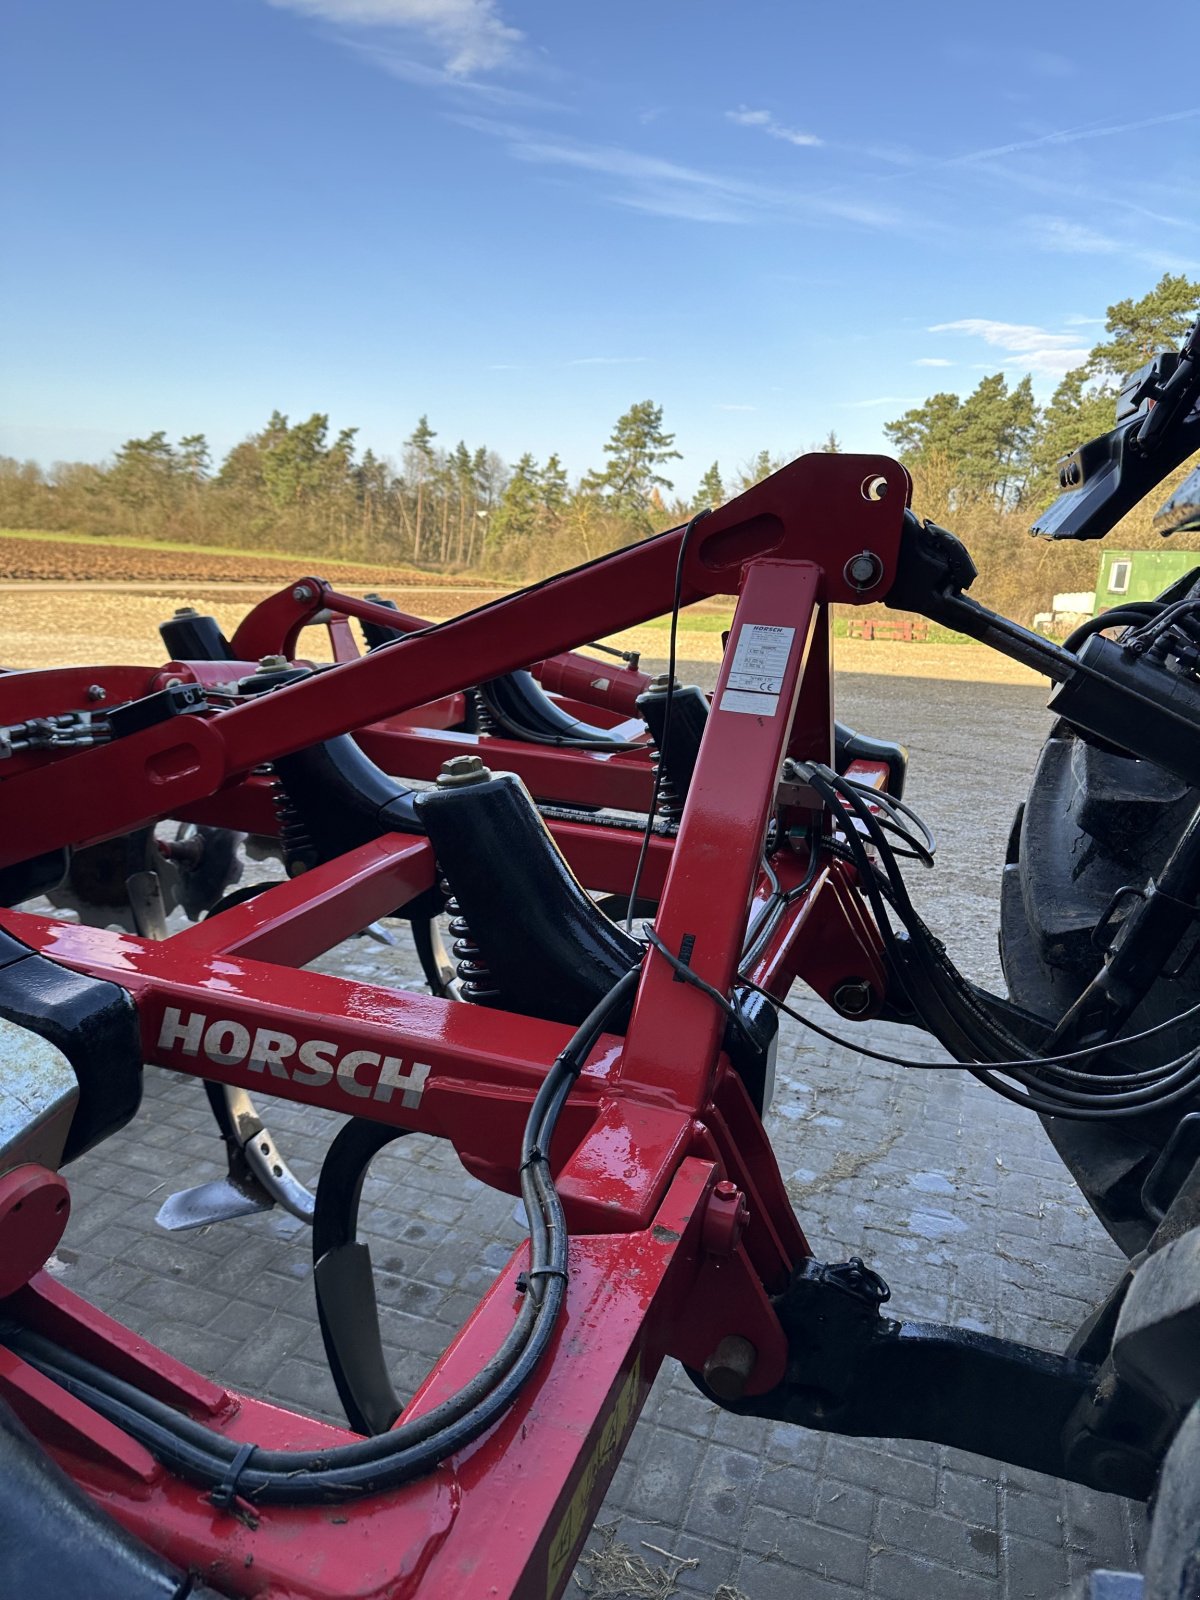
point(521, 216)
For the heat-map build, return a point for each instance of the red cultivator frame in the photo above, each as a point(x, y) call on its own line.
point(665, 1228)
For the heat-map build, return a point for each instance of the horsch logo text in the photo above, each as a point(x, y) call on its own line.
point(311, 1063)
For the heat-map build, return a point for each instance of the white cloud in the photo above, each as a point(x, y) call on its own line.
point(1073, 136)
point(423, 76)
point(668, 188)
point(1031, 348)
point(745, 118)
point(470, 35)
point(932, 361)
point(1070, 238)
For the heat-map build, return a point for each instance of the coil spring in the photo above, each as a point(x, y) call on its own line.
point(474, 974)
point(670, 801)
point(299, 851)
point(485, 722)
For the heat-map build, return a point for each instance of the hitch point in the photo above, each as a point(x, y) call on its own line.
point(727, 1371)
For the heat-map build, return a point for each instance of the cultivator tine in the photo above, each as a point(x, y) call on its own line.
point(147, 905)
point(206, 1203)
point(258, 1178)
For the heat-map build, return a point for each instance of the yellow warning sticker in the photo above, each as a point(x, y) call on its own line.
point(575, 1519)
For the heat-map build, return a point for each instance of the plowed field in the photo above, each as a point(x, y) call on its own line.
point(52, 561)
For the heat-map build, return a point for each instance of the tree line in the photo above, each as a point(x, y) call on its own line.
point(984, 463)
point(297, 486)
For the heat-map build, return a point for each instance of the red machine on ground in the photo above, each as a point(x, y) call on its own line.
point(615, 1079)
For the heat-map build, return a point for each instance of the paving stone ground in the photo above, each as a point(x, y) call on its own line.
point(953, 1195)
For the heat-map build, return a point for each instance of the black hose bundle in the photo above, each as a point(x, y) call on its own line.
point(953, 1011)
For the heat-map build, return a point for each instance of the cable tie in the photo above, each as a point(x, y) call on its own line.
point(686, 945)
point(227, 1492)
point(546, 1272)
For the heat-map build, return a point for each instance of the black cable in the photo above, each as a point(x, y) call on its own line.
point(952, 1066)
point(369, 1466)
point(981, 1046)
point(1166, 1087)
point(1139, 640)
point(682, 970)
point(1131, 614)
point(894, 809)
point(676, 603)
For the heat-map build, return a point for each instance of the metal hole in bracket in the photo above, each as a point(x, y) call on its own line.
point(874, 488)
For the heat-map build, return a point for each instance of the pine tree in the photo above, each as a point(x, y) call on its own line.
point(637, 447)
point(762, 466)
point(711, 491)
point(143, 478)
point(516, 519)
point(1141, 328)
point(985, 439)
point(194, 458)
point(555, 488)
point(420, 466)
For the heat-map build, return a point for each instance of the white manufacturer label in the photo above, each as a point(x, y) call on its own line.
point(753, 705)
point(760, 659)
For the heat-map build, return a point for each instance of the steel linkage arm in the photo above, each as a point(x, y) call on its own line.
point(1101, 1422)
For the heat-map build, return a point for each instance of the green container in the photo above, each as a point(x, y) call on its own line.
point(1139, 574)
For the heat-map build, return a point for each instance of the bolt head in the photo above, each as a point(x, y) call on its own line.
point(864, 570)
point(461, 771)
point(96, 692)
point(302, 592)
point(853, 997)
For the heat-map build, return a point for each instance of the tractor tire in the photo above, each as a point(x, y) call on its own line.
point(1094, 822)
